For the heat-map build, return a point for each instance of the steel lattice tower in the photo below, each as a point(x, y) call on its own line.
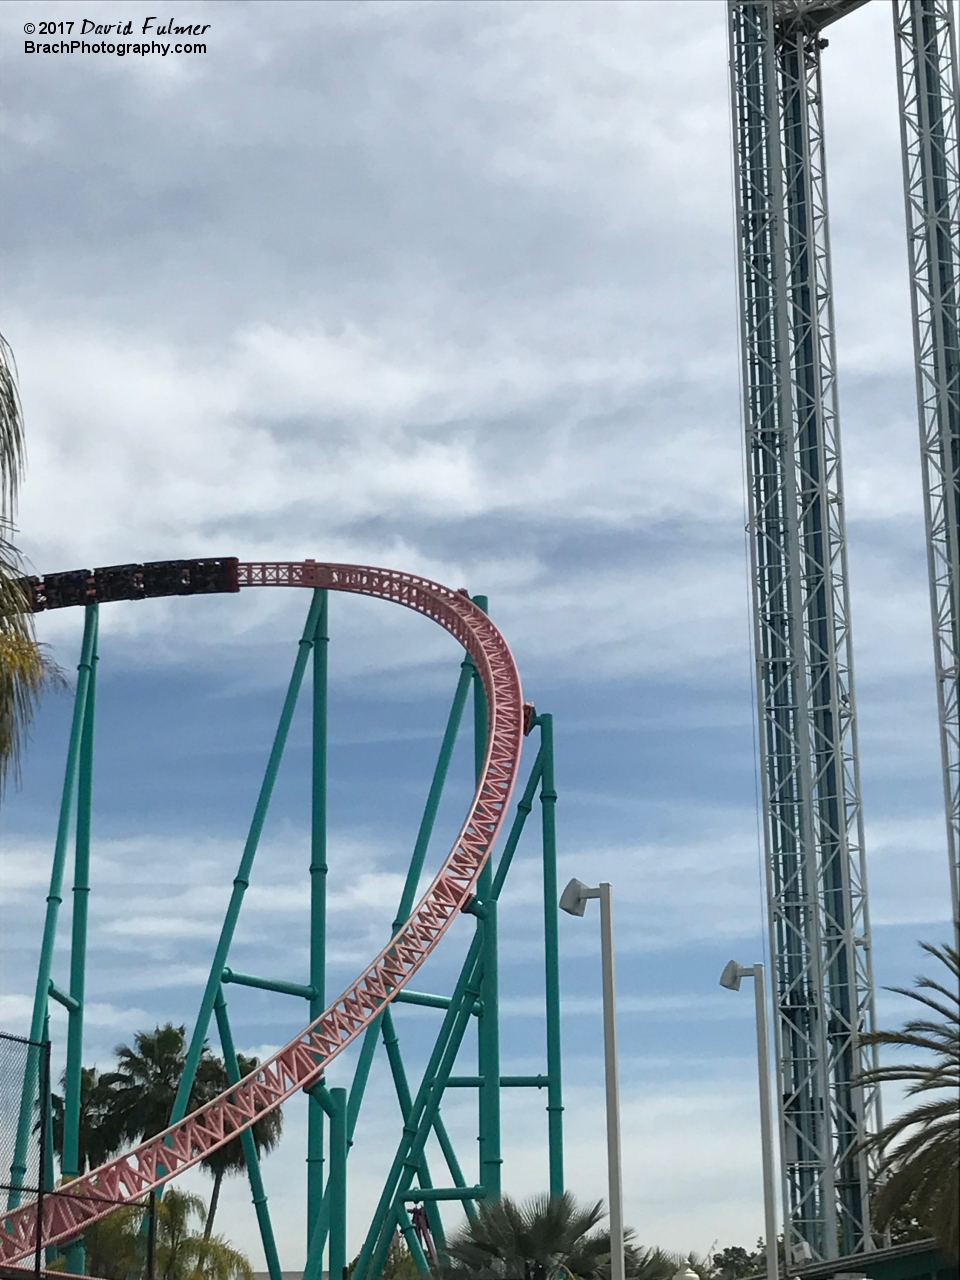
point(929, 96)
point(819, 929)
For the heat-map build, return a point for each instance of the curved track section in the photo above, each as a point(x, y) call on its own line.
point(301, 1062)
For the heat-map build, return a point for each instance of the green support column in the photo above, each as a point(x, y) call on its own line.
point(48, 1173)
point(254, 1176)
point(318, 900)
point(75, 1253)
point(242, 879)
point(338, 1184)
point(18, 1168)
point(548, 803)
point(52, 1252)
point(488, 1026)
point(488, 1032)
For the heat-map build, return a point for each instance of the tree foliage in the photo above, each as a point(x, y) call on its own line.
point(918, 1176)
point(182, 1254)
point(116, 1246)
point(24, 669)
point(735, 1262)
point(95, 1126)
point(140, 1092)
point(546, 1237)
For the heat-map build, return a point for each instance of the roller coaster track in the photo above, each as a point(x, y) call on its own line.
point(84, 1200)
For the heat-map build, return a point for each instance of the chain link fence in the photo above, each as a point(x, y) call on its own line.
point(24, 1109)
point(26, 1155)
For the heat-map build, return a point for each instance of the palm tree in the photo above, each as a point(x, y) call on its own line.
point(142, 1089)
point(23, 668)
point(230, 1159)
point(548, 1236)
point(183, 1255)
point(95, 1110)
point(115, 1246)
point(918, 1171)
point(134, 1102)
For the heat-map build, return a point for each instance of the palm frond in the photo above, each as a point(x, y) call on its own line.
point(917, 1168)
point(12, 445)
point(25, 667)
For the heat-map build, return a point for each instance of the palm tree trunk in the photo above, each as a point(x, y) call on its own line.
point(214, 1198)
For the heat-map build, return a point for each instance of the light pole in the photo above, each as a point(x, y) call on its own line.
point(574, 901)
point(731, 978)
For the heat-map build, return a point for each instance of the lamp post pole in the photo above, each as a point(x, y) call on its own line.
point(730, 978)
point(574, 900)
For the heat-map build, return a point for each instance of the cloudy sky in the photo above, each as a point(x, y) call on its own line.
point(446, 287)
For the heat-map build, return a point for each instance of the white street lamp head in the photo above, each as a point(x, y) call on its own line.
point(731, 976)
point(574, 898)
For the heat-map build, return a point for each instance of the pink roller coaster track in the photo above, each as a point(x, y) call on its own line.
point(301, 1062)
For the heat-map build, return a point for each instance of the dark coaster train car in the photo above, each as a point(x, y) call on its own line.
point(132, 582)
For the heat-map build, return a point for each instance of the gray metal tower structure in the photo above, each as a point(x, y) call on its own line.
point(929, 106)
point(819, 928)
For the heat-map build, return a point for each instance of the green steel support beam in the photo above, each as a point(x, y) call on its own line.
point(313, 1267)
point(453, 1164)
point(63, 997)
point(445, 1193)
point(254, 1175)
point(318, 900)
point(422, 998)
point(268, 984)
point(242, 880)
point(18, 1167)
point(551, 947)
point(524, 809)
point(330, 1202)
point(52, 1252)
point(75, 1253)
point(488, 1028)
point(338, 1185)
point(506, 1082)
point(70, 1164)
